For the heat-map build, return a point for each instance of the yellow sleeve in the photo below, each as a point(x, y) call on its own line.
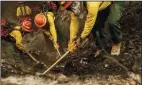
point(17, 36)
point(93, 8)
point(52, 26)
point(18, 12)
point(104, 5)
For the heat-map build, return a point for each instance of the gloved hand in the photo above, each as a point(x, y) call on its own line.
point(56, 46)
point(21, 48)
point(78, 41)
point(72, 46)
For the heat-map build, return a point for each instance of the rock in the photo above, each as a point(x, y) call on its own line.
point(62, 78)
point(106, 65)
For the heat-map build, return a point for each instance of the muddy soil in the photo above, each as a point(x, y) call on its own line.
point(80, 68)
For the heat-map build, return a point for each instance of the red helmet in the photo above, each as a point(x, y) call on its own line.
point(27, 26)
point(3, 22)
point(40, 20)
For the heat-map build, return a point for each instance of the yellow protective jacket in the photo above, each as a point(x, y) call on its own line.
point(51, 18)
point(22, 11)
point(93, 9)
point(17, 35)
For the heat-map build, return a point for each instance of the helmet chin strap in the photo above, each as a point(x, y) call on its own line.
point(30, 30)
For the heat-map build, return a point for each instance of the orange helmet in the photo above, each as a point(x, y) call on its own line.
point(40, 20)
point(26, 25)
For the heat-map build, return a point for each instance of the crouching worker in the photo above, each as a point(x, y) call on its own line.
point(98, 14)
point(45, 22)
point(15, 32)
point(95, 10)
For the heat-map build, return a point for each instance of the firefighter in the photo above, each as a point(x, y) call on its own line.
point(16, 32)
point(99, 11)
point(23, 11)
point(75, 9)
point(92, 8)
point(45, 22)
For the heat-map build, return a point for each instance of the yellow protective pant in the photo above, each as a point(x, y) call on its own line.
point(73, 27)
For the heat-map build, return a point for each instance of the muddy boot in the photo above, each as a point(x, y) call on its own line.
point(116, 49)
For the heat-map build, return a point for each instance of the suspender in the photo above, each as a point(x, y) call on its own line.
point(24, 10)
point(21, 10)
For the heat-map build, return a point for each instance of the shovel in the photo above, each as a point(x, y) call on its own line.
point(54, 64)
point(63, 56)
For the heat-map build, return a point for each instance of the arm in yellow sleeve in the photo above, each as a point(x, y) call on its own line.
point(16, 34)
point(93, 8)
point(52, 27)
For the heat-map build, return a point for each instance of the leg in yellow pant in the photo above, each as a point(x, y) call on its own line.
point(73, 27)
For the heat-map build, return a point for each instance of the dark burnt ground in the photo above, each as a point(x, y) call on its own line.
point(130, 52)
point(83, 62)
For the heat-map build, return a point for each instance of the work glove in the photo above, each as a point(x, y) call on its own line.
point(56, 46)
point(72, 46)
point(21, 48)
point(79, 40)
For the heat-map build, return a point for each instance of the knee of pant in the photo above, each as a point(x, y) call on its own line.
point(112, 23)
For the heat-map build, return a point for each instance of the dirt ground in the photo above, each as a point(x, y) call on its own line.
point(80, 68)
